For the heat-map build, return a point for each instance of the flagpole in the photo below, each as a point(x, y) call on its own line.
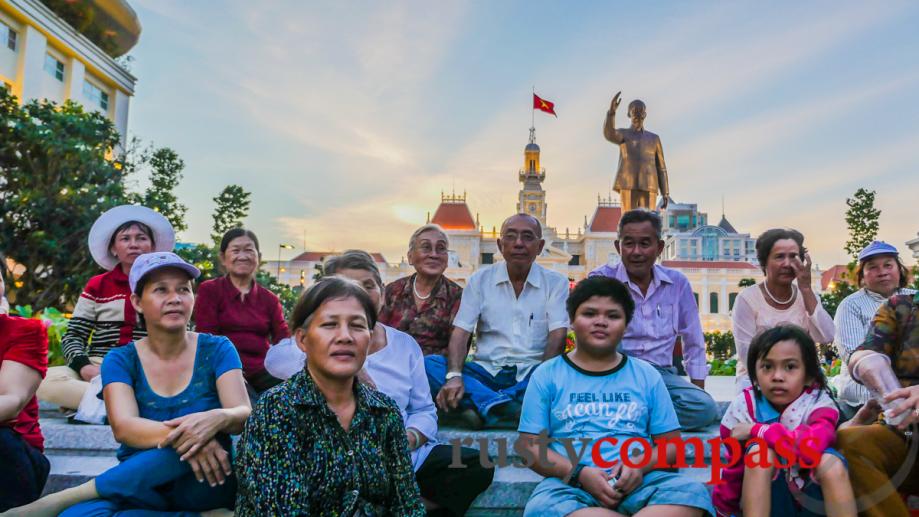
point(533, 117)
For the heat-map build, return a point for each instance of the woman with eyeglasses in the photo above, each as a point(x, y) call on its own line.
point(423, 304)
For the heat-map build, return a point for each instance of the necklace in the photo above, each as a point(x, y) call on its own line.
point(780, 302)
point(415, 291)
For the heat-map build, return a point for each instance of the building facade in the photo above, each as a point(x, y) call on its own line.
point(690, 237)
point(43, 55)
point(914, 246)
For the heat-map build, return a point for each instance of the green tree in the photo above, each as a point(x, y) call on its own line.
point(55, 180)
point(232, 208)
point(832, 298)
point(746, 282)
point(165, 173)
point(287, 294)
point(203, 257)
point(862, 221)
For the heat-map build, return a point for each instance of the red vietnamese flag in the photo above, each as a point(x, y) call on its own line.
point(543, 105)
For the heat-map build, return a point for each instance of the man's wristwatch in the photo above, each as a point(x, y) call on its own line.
point(453, 375)
point(575, 473)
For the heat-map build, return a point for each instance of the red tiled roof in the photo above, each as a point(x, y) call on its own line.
point(454, 216)
point(837, 273)
point(709, 264)
point(319, 256)
point(606, 219)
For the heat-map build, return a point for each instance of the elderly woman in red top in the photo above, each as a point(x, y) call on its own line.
point(423, 304)
point(23, 362)
point(237, 307)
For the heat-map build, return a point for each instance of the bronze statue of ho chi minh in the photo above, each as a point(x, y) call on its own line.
point(642, 173)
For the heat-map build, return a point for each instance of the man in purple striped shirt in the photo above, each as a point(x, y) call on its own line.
point(664, 310)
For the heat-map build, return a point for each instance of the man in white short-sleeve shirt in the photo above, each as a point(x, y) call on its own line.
point(517, 310)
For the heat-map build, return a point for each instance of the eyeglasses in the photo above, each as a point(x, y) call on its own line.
point(526, 237)
point(426, 249)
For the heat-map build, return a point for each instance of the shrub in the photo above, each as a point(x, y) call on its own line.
point(719, 367)
point(720, 345)
point(56, 323)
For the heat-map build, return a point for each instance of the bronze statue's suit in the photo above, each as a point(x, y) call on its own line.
point(642, 172)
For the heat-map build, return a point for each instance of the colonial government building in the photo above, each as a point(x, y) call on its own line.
point(715, 258)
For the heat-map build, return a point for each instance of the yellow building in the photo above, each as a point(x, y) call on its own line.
point(59, 50)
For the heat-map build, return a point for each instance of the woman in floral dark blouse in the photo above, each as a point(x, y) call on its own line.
point(321, 443)
point(423, 304)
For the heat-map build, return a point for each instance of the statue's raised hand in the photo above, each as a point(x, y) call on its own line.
point(614, 105)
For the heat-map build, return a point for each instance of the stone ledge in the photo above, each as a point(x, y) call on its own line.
point(60, 435)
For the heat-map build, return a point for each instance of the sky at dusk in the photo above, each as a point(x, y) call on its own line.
point(346, 120)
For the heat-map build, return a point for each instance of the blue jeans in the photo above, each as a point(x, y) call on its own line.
point(151, 483)
point(807, 503)
point(552, 498)
point(695, 408)
point(483, 390)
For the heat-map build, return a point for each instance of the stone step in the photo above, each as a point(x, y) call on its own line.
point(512, 486)
point(72, 470)
point(60, 435)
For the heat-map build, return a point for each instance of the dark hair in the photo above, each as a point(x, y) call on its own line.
point(904, 272)
point(353, 259)
point(640, 215)
point(601, 286)
point(765, 340)
point(3, 267)
point(236, 233)
point(330, 288)
point(767, 240)
point(124, 226)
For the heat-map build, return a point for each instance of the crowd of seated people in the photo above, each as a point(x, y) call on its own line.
point(338, 407)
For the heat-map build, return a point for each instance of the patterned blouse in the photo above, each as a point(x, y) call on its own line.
point(895, 332)
point(432, 324)
point(294, 458)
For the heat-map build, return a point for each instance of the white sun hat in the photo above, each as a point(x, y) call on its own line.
point(100, 235)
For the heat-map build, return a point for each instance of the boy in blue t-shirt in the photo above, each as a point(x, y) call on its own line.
point(593, 393)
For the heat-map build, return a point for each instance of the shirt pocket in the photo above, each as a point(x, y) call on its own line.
point(538, 331)
point(664, 317)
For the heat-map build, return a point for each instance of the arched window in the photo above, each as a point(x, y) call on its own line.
point(731, 299)
point(696, 297)
point(713, 303)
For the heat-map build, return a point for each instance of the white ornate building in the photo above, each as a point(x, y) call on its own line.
point(690, 237)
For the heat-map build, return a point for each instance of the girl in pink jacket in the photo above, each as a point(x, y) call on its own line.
point(786, 425)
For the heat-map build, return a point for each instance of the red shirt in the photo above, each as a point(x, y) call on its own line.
point(25, 341)
point(252, 323)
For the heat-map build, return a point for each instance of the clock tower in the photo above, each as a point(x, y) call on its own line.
point(532, 198)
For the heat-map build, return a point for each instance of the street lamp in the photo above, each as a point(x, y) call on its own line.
point(282, 247)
